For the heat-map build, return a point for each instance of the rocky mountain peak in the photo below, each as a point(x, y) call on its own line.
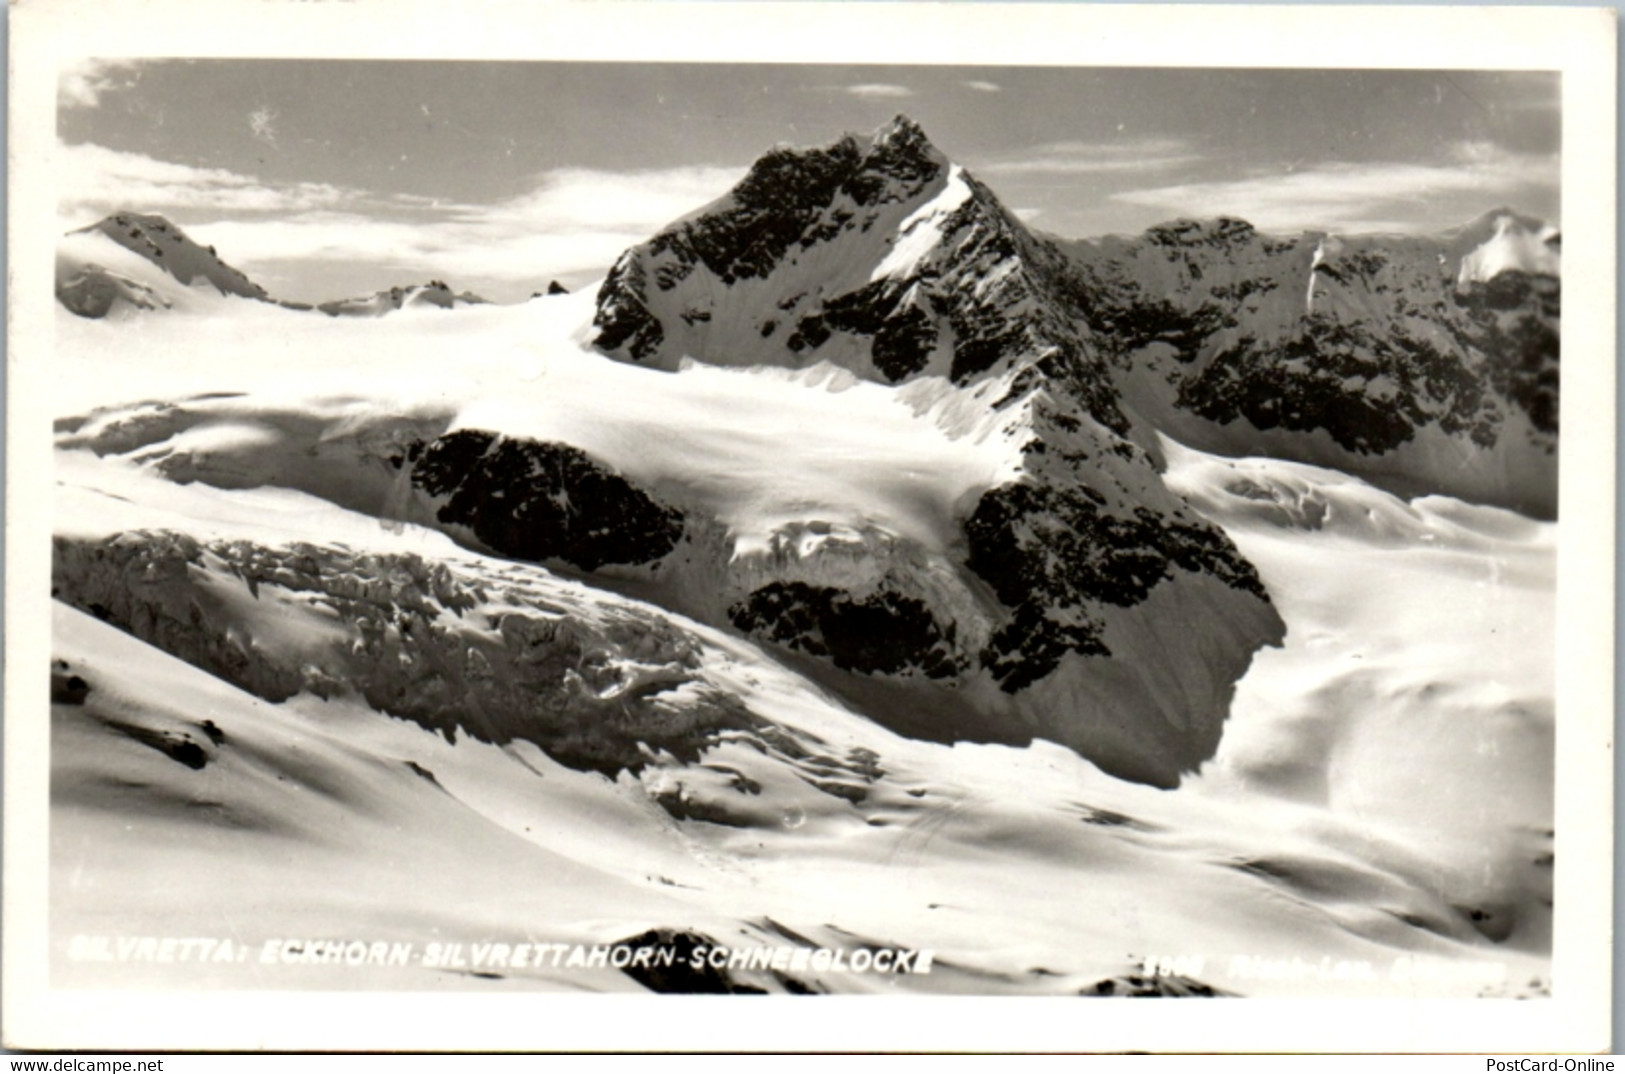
point(878, 255)
point(164, 244)
point(884, 258)
point(902, 130)
point(901, 149)
point(141, 261)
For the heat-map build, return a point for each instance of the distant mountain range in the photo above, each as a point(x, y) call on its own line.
point(95, 275)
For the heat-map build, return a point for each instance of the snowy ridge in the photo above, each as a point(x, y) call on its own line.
point(1517, 244)
point(134, 261)
point(96, 277)
point(436, 294)
point(907, 271)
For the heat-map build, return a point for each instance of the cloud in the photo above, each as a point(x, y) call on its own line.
point(879, 89)
point(262, 122)
point(93, 180)
point(81, 83)
point(983, 87)
point(573, 221)
point(581, 198)
point(1339, 195)
point(1090, 158)
point(576, 221)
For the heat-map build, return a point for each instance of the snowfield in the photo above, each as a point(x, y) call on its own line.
point(856, 592)
point(330, 716)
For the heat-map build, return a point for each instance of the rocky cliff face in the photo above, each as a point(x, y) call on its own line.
point(556, 502)
point(885, 259)
point(1424, 365)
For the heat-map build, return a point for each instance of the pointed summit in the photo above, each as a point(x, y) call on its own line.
point(831, 212)
point(863, 253)
point(901, 127)
point(903, 138)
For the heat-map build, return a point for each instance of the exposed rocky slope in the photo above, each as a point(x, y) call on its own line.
point(600, 685)
point(1422, 364)
point(883, 258)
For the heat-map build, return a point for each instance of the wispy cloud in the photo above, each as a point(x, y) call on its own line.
point(93, 180)
point(81, 83)
point(1339, 195)
point(983, 87)
point(262, 122)
point(879, 89)
point(581, 198)
point(573, 222)
point(1088, 158)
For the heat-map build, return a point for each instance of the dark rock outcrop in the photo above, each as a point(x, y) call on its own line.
point(543, 501)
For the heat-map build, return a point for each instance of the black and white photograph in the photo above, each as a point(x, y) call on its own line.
point(807, 520)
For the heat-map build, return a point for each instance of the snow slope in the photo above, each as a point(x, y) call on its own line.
point(1302, 840)
point(136, 261)
point(809, 508)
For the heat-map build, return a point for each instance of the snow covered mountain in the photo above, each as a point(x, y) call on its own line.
point(435, 293)
point(1055, 589)
point(133, 261)
point(1426, 365)
point(1423, 364)
point(851, 531)
point(136, 261)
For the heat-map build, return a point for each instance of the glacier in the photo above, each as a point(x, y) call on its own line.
point(856, 567)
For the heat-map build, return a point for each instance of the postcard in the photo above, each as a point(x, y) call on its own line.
point(593, 526)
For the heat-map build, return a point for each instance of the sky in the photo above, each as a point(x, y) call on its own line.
point(328, 178)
